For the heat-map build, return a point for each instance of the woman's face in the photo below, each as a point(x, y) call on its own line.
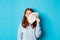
point(28, 12)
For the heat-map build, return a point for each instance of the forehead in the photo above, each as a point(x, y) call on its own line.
point(28, 11)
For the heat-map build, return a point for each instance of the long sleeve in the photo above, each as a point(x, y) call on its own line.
point(19, 34)
point(38, 31)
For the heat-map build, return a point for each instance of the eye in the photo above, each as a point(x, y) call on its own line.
point(27, 13)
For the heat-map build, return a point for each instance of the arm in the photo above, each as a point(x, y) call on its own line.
point(38, 31)
point(19, 34)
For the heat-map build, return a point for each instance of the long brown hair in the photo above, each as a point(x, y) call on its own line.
point(25, 22)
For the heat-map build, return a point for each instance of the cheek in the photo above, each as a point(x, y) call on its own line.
point(26, 15)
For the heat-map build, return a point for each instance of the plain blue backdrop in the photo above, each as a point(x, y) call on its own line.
point(12, 11)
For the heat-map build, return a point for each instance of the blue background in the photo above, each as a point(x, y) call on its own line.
point(12, 11)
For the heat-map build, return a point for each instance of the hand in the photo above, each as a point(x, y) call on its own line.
point(38, 20)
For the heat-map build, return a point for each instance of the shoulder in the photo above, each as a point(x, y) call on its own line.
point(20, 25)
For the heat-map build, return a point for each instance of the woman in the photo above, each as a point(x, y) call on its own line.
point(27, 31)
